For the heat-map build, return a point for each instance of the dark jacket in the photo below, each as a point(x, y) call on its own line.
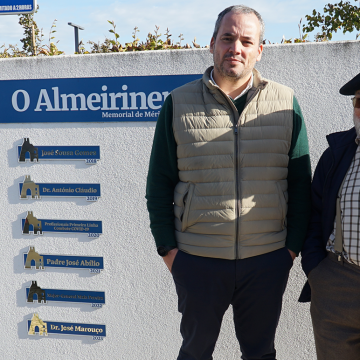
point(328, 176)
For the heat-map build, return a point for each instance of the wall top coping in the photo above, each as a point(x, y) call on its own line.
point(180, 52)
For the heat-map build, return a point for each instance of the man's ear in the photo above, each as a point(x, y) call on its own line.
point(261, 47)
point(212, 42)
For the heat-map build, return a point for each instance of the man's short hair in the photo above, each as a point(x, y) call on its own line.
point(240, 9)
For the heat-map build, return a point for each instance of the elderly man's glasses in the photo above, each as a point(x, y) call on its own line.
point(356, 102)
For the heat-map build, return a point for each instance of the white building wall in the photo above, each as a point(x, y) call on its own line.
point(141, 305)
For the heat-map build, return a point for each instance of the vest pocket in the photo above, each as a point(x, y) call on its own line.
point(283, 205)
point(187, 202)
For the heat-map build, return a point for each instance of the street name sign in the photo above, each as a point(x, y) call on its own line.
point(15, 7)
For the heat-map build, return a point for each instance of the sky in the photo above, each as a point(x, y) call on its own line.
point(192, 18)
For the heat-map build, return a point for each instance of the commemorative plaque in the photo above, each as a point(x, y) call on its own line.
point(29, 152)
point(45, 328)
point(44, 296)
point(38, 226)
point(29, 188)
point(34, 260)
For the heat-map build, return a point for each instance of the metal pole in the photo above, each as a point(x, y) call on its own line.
point(76, 32)
point(33, 39)
point(76, 29)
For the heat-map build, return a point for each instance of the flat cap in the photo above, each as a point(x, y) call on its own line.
point(351, 87)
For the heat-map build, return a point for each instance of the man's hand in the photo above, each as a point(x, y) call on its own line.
point(169, 258)
point(293, 255)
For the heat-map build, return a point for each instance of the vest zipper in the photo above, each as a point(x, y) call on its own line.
point(237, 191)
point(237, 200)
point(238, 188)
point(237, 147)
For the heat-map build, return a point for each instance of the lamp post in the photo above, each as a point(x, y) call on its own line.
point(76, 31)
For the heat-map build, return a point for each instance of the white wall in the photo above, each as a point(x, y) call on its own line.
point(141, 305)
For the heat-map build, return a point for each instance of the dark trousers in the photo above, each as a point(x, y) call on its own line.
point(253, 286)
point(335, 309)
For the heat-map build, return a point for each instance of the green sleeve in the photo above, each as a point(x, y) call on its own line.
point(299, 181)
point(162, 179)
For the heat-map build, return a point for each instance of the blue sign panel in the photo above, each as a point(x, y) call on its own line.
point(13, 7)
point(131, 98)
point(28, 188)
point(35, 292)
point(38, 226)
point(39, 261)
point(27, 151)
point(36, 325)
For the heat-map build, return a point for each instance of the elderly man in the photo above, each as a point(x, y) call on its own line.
point(331, 253)
point(229, 192)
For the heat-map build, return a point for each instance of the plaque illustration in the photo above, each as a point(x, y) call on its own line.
point(29, 185)
point(35, 154)
point(33, 256)
point(36, 290)
point(28, 151)
point(93, 228)
point(37, 324)
point(31, 220)
point(29, 188)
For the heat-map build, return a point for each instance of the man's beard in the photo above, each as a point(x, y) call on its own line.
point(229, 74)
point(357, 124)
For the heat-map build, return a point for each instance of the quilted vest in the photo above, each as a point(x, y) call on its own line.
point(231, 201)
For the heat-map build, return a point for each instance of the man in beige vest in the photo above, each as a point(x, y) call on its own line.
point(331, 253)
point(229, 192)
